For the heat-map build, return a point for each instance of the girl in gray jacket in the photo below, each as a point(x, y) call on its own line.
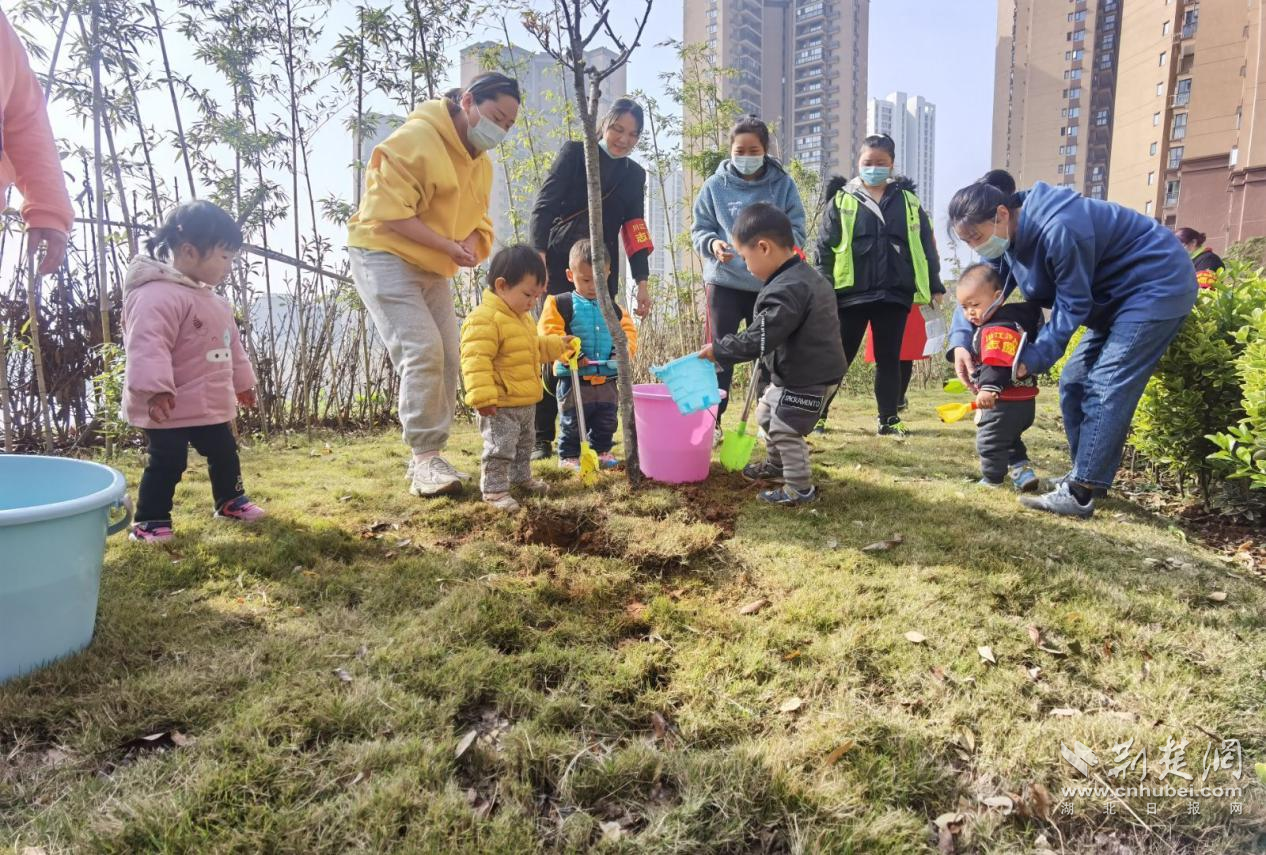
point(748, 176)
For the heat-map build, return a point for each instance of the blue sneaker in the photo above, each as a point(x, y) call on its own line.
point(985, 482)
point(1060, 501)
point(762, 471)
point(785, 495)
point(1024, 479)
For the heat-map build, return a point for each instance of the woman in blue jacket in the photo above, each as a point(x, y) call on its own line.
point(1094, 264)
point(748, 176)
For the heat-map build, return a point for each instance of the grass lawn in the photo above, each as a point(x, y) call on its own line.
point(366, 671)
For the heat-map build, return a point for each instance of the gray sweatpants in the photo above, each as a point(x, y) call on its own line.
point(413, 312)
point(509, 435)
point(787, 416)
point(999, 435)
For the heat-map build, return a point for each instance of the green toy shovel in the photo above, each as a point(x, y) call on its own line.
point(737, 445)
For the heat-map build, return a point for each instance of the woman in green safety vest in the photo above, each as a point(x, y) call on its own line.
point(876, 246)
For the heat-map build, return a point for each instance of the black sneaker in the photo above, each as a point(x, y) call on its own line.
point(785, 495)
point(763, 471)
point(893, 427)
point(544, 450)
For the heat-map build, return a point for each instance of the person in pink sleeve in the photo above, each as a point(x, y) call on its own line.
point(186, 368)
point(28, 155)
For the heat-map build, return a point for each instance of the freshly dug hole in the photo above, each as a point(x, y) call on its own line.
point(571, 528)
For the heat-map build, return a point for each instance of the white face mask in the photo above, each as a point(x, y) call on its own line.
point(748, 164)
point(485, 134)
point(602, 144)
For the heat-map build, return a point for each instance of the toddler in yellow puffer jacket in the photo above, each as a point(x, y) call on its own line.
point(502, 356)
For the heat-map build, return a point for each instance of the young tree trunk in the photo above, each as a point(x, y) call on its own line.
point(588, 105)
point(175, 101)
point(34, 283)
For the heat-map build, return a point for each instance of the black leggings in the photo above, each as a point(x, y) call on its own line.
point(726, 307)
point(168, 458)
point(887, 322)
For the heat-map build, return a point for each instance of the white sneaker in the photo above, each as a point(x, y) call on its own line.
point(503, 502)
point(535, 486)
point(430, 478)
point(450, 469)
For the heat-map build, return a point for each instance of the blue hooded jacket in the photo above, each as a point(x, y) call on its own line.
point(721, 199)
point(1093, 263)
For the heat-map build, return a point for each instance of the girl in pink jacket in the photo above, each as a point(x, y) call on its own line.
point(186, 368)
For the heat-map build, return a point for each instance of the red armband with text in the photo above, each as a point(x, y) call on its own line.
point(637, 237)
point(999, 345)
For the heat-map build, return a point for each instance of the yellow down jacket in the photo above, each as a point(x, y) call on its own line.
point(502, 355)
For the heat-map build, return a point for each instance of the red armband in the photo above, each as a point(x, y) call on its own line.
point(999, 345)
point(637, 237)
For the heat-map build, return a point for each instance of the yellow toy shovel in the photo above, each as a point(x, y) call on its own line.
point(951, 413)
point(588, 457)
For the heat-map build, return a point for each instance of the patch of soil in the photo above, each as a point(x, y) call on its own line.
point(582, 529)
point(711, 506)
point(1240, 542)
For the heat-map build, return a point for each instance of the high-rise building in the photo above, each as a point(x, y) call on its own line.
point(798, 64)
point(911, 122)
point(1149, 103)
point(667, 218)
point(546, 119)
point(1053, 97)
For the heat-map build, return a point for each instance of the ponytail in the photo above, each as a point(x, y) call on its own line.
point(1189, 235)
point(199, 223)
point(978, 203)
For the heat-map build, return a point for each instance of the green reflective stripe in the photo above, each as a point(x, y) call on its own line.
point(848, 204)
point(922, 282)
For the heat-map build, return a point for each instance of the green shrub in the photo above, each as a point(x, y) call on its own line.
point(1196, 390)
point(1052, 377)
point(1241, 450)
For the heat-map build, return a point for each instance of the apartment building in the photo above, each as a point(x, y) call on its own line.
point(1154, 104)
point(1054, 91)
point(547, 119)
point(911, 122)
point(798, 64)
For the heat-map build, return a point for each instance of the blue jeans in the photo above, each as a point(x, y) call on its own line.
point(1099, 389)
point(601, 417)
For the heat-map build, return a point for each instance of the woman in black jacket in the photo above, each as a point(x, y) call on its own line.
point(1207, 262)
point(876, 247)
point(560, 217)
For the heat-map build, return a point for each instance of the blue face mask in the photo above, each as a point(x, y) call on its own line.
point(873, 176)
point(748, 164)
point(602, 144)
point(994, 246)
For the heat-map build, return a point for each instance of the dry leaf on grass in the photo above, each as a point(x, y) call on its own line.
point(1218, 596)
point(915, 637)
point(659, 724)
point(986, 653)
point(790, 705)
point(611, 830)
point(1035, 635)
point(636, 609)
point(948, 826)
point(938, 673)
point(1003, 802)
point(467, 741)
point(754, 606)
point(840, 750)
point(1033, 673)
point(884, 545)
point(342, 674)
point(1065, 712)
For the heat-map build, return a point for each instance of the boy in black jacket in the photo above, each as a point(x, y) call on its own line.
point(795, 332)
point(1005, 405)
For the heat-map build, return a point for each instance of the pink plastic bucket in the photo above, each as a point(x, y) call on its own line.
point(671, 447)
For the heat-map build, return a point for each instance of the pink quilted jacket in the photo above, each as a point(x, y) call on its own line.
point(181, 338)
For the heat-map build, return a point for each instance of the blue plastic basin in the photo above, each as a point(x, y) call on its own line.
point(54, 518)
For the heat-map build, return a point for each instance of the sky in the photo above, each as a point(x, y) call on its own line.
point(941, 50)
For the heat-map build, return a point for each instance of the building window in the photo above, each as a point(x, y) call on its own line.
point(805, 56)
point(1096, 191)
point(1072, 74)
point(1147, 209)
point(1074, 55)
point(1160, 88)
point(1161, 60)
point(712, 28)
point(1079, 35)
point(1101, 117)
point(1151, 178)
point(1190, 19)
point(1151, 149)
point(1171, 193)
point(1156, 120)
point(1182, 92)
point(1074, 112)
point(1165, 28)
point(1178, 130)
point(1175, 157)
point(1108, 41)
point(1239, 117)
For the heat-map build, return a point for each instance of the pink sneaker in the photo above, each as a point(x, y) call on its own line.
point(151, 532)
point(607, 460)
point(572, 463)
point(241, 509)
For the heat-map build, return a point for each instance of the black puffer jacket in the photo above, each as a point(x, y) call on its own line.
point(565, 192)
point(883, 269)
point(795, 331)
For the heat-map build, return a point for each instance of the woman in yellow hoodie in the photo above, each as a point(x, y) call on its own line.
point(423, 216)
point(502, 356)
